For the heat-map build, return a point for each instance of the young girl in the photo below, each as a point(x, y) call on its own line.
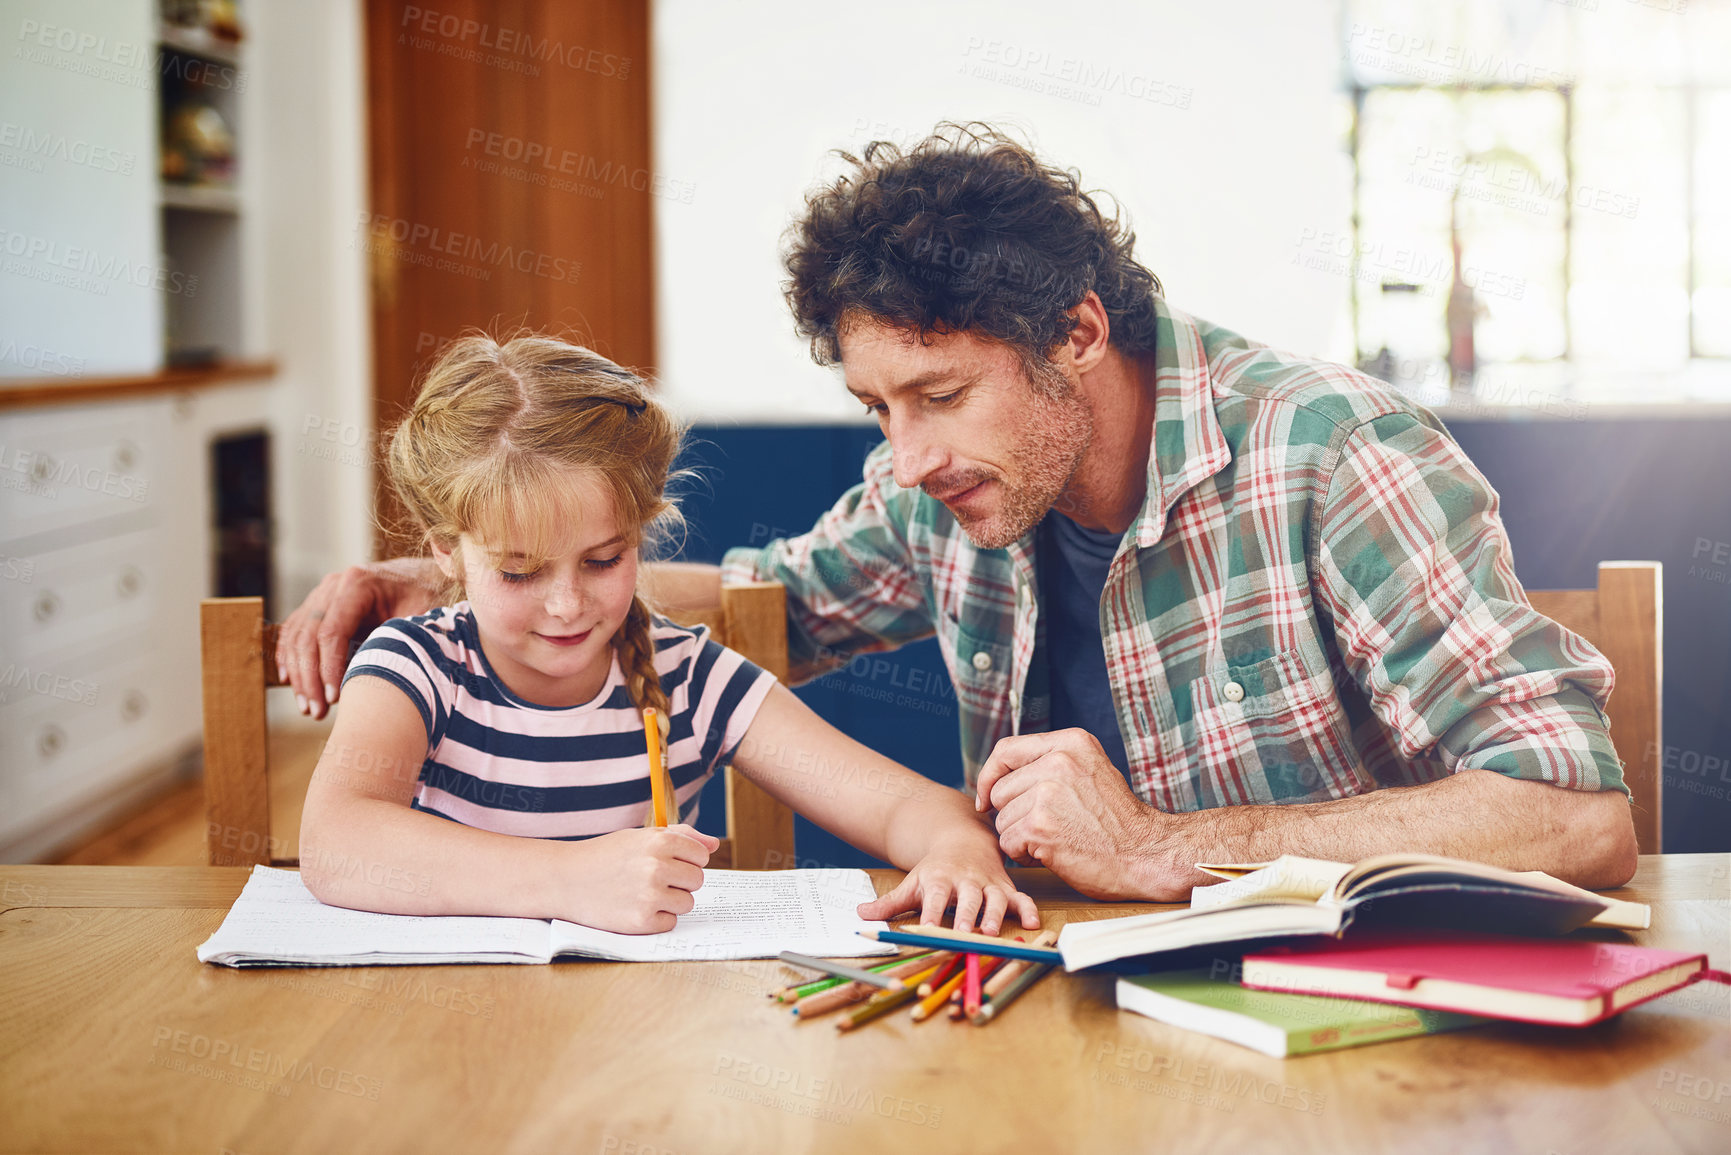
point(489, 756)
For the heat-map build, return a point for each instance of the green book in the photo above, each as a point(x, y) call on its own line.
point(1272, 1022)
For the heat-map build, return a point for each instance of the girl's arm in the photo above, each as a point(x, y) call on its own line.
point(888, 811)
point(363, 847)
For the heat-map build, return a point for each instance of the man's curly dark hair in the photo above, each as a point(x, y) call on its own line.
point(965, 230)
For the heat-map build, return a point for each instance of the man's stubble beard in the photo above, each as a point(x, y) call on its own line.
point(1058, 430)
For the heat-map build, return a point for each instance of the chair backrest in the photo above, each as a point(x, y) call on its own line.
point(1624, 619)
point(238, 645)
point(751, 619)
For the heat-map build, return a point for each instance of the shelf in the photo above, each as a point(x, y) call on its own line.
point(37, 392)
point(200, 198)
point(198, 42)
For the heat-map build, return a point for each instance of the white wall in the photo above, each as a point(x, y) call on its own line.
point(79, 257)
point(313, 307)
point(750, 97)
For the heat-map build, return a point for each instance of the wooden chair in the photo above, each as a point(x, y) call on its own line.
point(239, 666)
point(1624, 618)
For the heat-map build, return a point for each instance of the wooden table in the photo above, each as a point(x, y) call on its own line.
point(114, 1038)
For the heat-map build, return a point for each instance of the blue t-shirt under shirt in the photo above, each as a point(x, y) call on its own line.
point(1073, 561)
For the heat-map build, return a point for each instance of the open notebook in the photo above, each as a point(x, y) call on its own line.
point(1304, 896)
point(740, 914)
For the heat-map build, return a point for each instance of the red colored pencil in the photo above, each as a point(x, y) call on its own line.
point(971, 987)
point(989, 966)
point(943, 976)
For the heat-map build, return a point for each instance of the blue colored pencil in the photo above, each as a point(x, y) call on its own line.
point(976, 943)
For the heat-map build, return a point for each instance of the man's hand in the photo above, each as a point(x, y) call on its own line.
point(1063, 805)
point(312, 648)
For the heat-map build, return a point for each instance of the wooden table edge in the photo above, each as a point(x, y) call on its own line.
point(26, 886)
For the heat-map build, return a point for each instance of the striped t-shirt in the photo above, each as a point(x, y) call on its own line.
point(498, 762)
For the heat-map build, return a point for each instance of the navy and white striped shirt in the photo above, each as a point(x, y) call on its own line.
point(498, 762)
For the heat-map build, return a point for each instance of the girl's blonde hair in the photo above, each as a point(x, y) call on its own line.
point(489, 446)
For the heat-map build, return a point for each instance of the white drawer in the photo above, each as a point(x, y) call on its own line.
point(65, 467)
point(81, 599)
point(67, 735)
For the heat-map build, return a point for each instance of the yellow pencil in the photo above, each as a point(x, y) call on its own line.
point(659, 788)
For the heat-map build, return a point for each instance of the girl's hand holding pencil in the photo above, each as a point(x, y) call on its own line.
point(639, 881)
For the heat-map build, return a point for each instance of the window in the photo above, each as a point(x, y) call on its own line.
point(1542, 198)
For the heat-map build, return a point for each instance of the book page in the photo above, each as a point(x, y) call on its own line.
point(1619, 913)
point(277, 919)
point(1288, 877)
point(748, 914)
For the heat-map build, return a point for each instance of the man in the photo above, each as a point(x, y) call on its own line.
point(1202, 601)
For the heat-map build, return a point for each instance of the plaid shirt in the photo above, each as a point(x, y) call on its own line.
point(1315, 600)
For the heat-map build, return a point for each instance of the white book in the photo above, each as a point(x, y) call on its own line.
point(739, 914)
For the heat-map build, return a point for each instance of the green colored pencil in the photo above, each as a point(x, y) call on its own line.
point(794, 994)
point(996, 1004)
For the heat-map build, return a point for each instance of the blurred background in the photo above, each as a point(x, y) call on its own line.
point(231, 231)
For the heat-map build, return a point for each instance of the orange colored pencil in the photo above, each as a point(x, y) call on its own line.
point(658, 781)
point(937, 998)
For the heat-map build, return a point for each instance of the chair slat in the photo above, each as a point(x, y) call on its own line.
point(236, 793)
point(760, 826)
point(1624, 619)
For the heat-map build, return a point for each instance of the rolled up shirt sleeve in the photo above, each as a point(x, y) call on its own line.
point(852, 580)
point(1414, 568)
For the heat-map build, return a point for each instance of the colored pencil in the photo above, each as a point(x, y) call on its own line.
point(837, 997)
point(875, 1006)
point(988, 967)
point(937, 998)
point(842, 969)
point(979, 943)
point(658, 782)
point(943, 975)
point(1002, 977)
point(1008, 995)
point(796, 991)
point(971, 988)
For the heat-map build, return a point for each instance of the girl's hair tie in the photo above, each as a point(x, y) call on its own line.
point(634, 407)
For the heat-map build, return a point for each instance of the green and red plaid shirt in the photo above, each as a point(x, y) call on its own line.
point(1315, 600)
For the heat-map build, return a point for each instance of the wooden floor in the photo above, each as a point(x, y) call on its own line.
point(169, 831)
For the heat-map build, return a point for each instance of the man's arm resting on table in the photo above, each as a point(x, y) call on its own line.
point(1062, 804)
point(1583, 837)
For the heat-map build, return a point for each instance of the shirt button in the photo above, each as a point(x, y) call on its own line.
point(1233, 691)
point(982, 661)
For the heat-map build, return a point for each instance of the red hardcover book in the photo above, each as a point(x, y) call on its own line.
point(1566, 982)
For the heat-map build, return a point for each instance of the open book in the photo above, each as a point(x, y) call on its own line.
point(1307, 896)
point(739, 914)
